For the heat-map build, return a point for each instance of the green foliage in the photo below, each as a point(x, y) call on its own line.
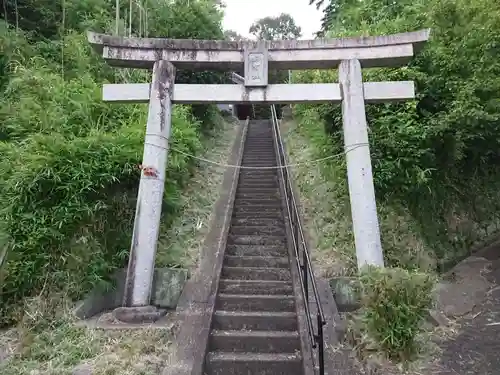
point(68, 174)
point(232, 36)
point(435, 156)
point(276, 28)
point(394, 304)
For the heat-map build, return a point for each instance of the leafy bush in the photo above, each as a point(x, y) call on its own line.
point(395, 302)
point(68, 173)
point(434, 157)
point(54, 187)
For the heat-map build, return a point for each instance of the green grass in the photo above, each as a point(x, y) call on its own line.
point(325, 205)
point(182, 243)
point(47, 342)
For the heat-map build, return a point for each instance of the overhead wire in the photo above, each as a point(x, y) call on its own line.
point(224, 165)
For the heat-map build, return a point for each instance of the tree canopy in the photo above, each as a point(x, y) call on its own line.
point(437, 155)
point(275, 28)
point(232, 36)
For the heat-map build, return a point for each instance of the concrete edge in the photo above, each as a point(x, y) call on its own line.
point(197, 302)
point(337, 360)
point(416, 38)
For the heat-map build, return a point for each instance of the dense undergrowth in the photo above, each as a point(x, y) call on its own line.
point(435, 161)
point(69, 168)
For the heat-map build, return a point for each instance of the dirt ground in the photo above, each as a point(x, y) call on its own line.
point(467, 319)
point(466, 333)
point(473, 299)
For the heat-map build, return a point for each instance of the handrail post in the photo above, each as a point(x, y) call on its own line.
point(321, 345)
point(304, 270)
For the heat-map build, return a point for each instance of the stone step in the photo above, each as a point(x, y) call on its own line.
point(252, 212)
point(273, 202)
point(250, 302)
point(256, 273)
point(259, 287)
point(257, 196)
point(257, 190)
point(251, 174)
point(256, 261)
point(243, 214)
point(266, 163)
point(258, 169)
point(259, 157)
point(260, 230)
point(261, 166)
point(259, 142)
point(258, 250)
point(253, 149)
point(254, 176)
point(256, 184)
point(263, 143)
point(268, 177)
point(235, 239)
point(264, 221)
point(258, 181)
point(254, 321)
point(253, 200)
point(254, 341)
point(218, 363)
point(258, 172)
point(256, 153)
point(256, 145)
point(257, 207)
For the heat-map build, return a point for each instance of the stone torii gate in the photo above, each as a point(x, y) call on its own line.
point(349, 55)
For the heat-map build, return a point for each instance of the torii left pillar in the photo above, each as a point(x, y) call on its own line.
point(137, 299)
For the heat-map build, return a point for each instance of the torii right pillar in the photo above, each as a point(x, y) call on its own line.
point(359, 167)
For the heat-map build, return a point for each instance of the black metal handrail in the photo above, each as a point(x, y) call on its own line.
point(303, 262)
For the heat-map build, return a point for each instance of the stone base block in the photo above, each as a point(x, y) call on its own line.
point(139, 314)
point(168, 284)
point(347, 293)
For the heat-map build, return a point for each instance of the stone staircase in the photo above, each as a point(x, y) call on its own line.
point(255, 327)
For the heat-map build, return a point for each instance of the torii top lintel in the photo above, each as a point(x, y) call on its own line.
point(373, 51)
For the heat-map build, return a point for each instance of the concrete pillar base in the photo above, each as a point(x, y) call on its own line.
point(139, 314)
